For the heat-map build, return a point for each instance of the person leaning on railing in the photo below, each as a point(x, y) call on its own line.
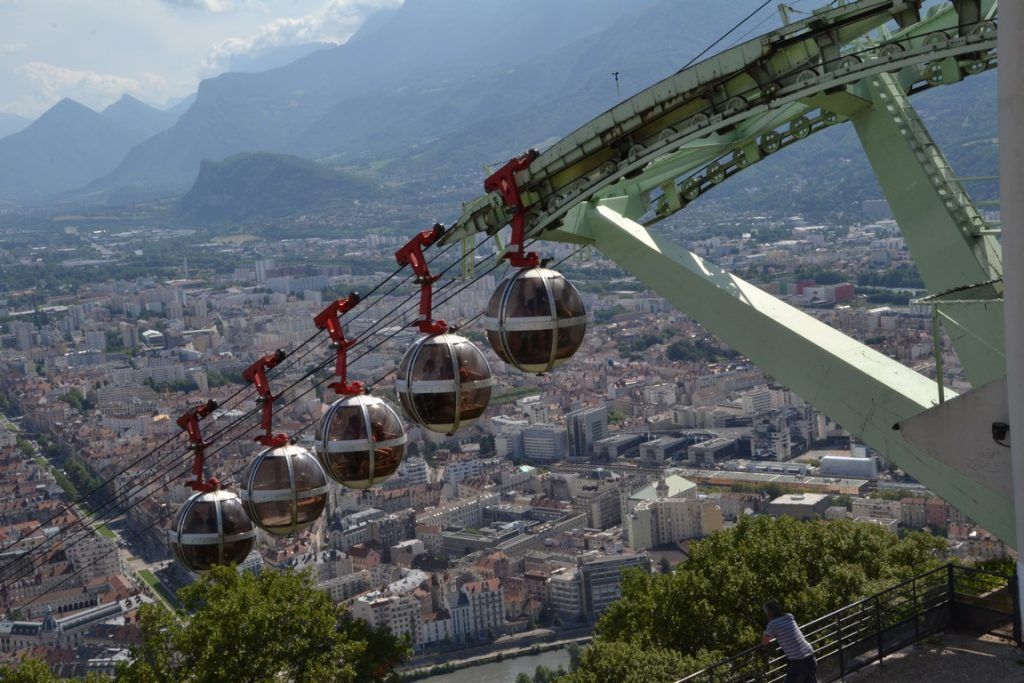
point(801, 666)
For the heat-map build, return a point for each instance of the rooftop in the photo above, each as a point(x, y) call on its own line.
point(799, 499)
point(676, 486)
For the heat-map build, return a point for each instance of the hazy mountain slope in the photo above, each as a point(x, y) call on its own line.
point(64, 148)
point(180, 106)
point(137, 119)
point(273, 57)
point(261, 186)
point(639, 45)
point(549, 97)
point(12, 123)
point(372, 23)
point(426, 44)
point(829, 171)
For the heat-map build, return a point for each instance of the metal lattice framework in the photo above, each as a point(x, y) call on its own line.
point(650, 156)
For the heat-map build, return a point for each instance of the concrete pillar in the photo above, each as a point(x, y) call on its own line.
point(1011, 183)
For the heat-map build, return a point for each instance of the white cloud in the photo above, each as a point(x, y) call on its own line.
point(12, 48)
point(52, 83)
point(206, 5)
point(335, 22)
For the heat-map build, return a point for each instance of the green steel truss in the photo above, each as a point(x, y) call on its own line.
point(650, 156)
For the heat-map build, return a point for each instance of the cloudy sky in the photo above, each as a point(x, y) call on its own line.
point(157, 50)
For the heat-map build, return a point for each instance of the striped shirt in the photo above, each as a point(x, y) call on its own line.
point(792, 642)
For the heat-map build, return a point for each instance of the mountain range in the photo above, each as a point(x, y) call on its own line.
point(431, 69)
point(425, 94)
point(71, 145)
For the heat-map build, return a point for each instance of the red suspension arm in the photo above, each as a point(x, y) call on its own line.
point(503, 181)
point(257, 375)
point(412, 255)
point(330, 319)
point(189, 422)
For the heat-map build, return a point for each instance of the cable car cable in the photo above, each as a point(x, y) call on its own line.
point(82, 498)
point(63, 536)
point(726, 34)
point(111, 478)
point(316, 385)
point(384, 319)
point(232, 474)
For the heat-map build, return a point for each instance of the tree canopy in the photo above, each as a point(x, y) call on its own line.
point(32, 670)
point(710, 606)
point(622, 662)
point(260, 627)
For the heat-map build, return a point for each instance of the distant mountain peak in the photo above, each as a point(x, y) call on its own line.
point(63, 149)
point(124, 100)
point(66, 112)
point(128, 103)
point(137, 119)
point(68, 105)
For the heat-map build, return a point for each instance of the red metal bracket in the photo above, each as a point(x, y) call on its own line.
point(257, 375)
point(412, 255)
point(504, 182)
point(190, 423)
point(330, 319)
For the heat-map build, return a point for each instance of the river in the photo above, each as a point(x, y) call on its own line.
point(504, 671)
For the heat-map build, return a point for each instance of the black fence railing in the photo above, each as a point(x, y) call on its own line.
point(950, 598)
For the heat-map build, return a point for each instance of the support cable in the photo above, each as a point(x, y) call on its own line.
point(231, 475)
point(726, 34)
point(52, 543)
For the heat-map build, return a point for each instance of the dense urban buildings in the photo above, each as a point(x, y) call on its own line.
point(653, 436)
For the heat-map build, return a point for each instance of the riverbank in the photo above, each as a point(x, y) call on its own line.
point(439, 670)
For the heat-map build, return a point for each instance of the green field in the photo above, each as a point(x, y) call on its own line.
point(158, 587)
point(237, 238)
point(104, 530)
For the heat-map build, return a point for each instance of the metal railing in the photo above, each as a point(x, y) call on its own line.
point(949, 598)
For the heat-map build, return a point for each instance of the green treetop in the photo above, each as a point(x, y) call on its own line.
point(264, 627)
point(710, 606)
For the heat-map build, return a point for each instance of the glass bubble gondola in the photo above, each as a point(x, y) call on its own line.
point(535, 320)
point(444, 382)
point(211, 528)
point(360, 441)
point(284, 490)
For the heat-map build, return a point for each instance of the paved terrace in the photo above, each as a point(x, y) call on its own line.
point(949, 657)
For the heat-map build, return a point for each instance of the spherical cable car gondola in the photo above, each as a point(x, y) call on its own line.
point(535, 320)
point(360, 440)
point(443, 380)
point(211, 527)
point(284, 490)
